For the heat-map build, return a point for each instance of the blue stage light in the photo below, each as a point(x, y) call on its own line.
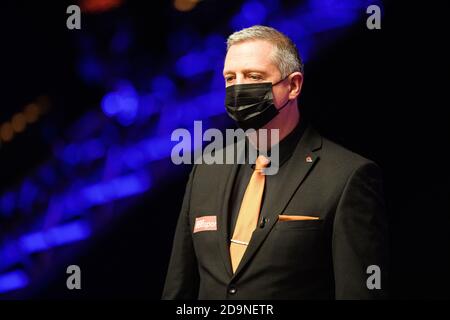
point(56, 236)
point(13, 280)
point(163, 86)
point(122, 103)
point(110, 104)
point(114, 189)
point(192, 64)
point(92, 149)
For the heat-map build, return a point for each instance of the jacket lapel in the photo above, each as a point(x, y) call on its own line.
point(298, 168)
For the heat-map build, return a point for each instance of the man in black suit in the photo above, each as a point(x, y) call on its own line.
point(320, 230)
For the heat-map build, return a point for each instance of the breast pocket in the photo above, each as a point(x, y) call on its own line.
point(297, 246)
point(299, 225)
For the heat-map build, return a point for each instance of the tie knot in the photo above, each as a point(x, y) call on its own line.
point(261, 162)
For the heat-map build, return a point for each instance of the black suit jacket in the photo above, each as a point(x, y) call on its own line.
point(310, 259)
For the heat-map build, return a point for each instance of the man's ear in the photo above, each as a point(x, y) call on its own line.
point(296, 82)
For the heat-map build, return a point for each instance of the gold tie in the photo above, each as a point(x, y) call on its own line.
point(248, 213)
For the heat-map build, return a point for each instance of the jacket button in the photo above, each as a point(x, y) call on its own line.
point(263, 222)
point(232, 290)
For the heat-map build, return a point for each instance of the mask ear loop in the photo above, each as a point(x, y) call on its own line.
point(285, 104)
point(279, 81)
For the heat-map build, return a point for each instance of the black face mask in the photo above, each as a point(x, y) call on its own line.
point(251, 105)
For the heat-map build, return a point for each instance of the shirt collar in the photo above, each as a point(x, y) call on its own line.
point(286, 146)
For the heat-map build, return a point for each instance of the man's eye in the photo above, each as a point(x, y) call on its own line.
point(228, 79)
point(255, 77)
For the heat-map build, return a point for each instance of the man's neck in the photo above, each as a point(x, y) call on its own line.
point(285, 122)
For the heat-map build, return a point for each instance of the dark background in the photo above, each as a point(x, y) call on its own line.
point(380, 93)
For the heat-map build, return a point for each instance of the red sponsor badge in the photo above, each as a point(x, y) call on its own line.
point(205, 223)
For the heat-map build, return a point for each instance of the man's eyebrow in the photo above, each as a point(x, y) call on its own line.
point(254, 70)
point(245, 71)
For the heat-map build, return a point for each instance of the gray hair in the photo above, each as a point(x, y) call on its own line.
point(286, 55)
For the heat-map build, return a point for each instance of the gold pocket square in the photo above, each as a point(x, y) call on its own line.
point(283, 217)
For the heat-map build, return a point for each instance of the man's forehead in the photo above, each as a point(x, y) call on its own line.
point(249, 55)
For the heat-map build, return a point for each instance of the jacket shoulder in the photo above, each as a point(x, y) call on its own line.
point(343, 157)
